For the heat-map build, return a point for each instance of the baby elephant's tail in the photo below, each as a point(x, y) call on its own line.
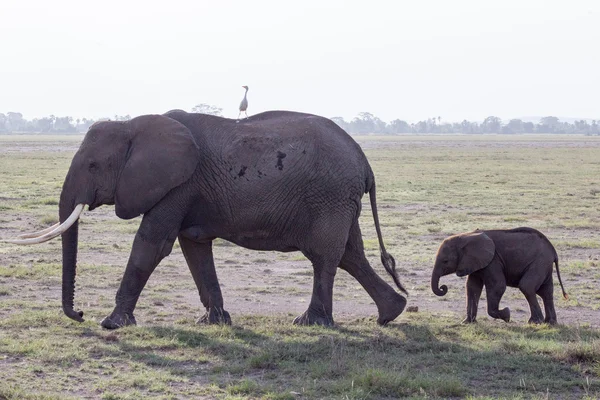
point(565, 295)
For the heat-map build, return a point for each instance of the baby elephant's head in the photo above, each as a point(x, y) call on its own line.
point(462, 254)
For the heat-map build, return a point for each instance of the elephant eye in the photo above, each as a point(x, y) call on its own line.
point(92, 167)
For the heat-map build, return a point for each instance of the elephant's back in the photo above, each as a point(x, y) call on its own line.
point(292, 145)
point(272, 130)
point(281, 151)
point(522, 247)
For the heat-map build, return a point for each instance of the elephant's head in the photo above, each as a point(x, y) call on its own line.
point(462, 254)
point(132, 165)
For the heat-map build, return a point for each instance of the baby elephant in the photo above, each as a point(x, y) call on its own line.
point(520, 257)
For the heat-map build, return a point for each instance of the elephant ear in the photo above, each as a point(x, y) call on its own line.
point(476, 252)
point(162, 155)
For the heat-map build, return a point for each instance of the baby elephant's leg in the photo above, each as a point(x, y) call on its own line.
point(546, 292)
point(474, 287)
point(529, 285)
point(495, 291)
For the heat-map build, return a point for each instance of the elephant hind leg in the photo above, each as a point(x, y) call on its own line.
point(546, 292)
point(320, 309)
point(325, 250)
point(529, 285)
point(389, 303)
point(200, 261)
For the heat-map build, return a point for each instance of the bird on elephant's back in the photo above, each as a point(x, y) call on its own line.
point(244, 103)
point(278, 180)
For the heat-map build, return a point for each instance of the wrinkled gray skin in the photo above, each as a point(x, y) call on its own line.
point(520, 257)
point(275, 181)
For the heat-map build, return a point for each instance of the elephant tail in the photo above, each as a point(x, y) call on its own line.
point(565, 295)
point(386, 258)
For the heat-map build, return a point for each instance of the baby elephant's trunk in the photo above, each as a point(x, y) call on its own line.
point(435, 281)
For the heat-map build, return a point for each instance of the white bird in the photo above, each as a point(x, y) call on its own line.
point(244, 103)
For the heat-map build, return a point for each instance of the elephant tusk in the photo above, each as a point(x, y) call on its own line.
point(53, 233)
point(38, 233)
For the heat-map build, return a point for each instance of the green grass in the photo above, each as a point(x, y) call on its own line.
point(266, 357)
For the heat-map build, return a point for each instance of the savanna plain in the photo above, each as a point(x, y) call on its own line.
point(428, 187)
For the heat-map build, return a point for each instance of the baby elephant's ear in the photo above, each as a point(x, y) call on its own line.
point(162, 155)
point(476, 251)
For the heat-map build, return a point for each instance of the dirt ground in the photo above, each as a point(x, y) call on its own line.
point(261, 282)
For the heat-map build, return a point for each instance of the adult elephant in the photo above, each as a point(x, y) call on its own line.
point(278, 180)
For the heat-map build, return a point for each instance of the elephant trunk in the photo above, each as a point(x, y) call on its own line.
point(69, 262)
point(435, 280)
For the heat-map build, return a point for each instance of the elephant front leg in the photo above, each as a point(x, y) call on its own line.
point(494, 291)
point(152, 243)
point(200, 260)
point(319, 311)
point(474, 287)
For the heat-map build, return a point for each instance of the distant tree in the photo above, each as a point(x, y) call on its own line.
point(366, 122)
point(203, 108)
point(528, 127)
point(548, 125)
point(465, 126)
point(582, 126)
point(549, 121)
point(432, 125)
point(398, 126)
point(422, 127)
point(469, 127)
point(513, 126)
point(42, 125)
point(64, 125)
point(15, 121)
point(491, 125)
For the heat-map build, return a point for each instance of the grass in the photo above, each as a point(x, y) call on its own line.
point(266, 357)
point(428, 188)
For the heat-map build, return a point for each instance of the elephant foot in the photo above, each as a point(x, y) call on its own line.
point(469, 320)
point(505, 314)
point(215, 316)
point(312, 318)
point(550, 321)
point(116, 320)
point(391, 310)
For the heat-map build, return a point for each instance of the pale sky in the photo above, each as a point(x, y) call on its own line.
point(396, 59)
